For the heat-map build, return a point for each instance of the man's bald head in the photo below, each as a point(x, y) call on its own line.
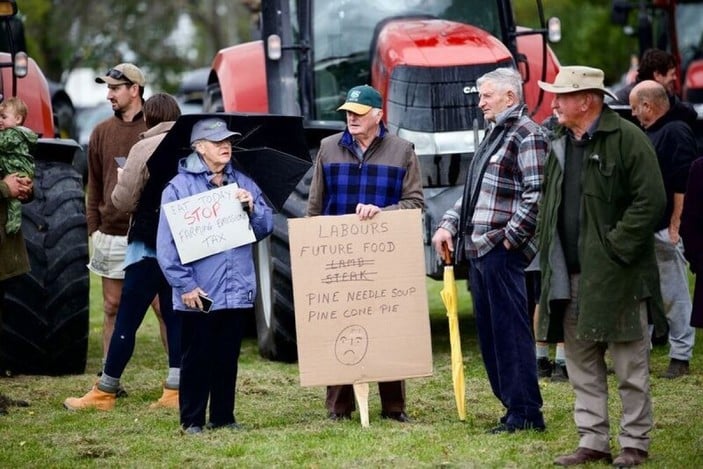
point(649, 102)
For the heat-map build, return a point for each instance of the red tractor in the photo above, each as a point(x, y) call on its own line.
point(424, 56)
point(44, 327)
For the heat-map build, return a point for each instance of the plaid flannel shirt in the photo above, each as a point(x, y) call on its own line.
point(509, 191)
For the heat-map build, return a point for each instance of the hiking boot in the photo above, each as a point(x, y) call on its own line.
point(95, 399)
point(168, 400)
point(677, 368)
point(559, 374)
point(544, 367)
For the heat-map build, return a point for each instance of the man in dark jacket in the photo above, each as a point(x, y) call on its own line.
point(602, 198)
point(496, 218)
point(660, 66)
point(675, 145)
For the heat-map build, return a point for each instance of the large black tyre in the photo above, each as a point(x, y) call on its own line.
point(275, 314)
point(44, 326)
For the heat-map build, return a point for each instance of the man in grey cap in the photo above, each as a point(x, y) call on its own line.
point(107, 226)
point(602, 198)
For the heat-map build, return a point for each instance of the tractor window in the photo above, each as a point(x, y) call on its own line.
point(343, 30)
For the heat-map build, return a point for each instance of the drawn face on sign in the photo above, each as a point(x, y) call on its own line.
point(351, 345)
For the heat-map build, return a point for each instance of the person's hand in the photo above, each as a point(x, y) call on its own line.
point(192, 298)
point(366, 211)
point(442, 237)
point(507, 245)
point(674, 236)
point(20, 186)
point(245, 197)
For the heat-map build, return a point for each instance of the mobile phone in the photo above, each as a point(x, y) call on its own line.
point(207, 303)
point(120, 160)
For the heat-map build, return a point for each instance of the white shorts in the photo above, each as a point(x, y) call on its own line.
point(108, 255)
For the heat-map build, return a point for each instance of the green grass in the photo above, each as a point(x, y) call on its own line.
point(285, 425)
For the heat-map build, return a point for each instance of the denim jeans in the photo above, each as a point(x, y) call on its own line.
point(142, 281)
point(505, 334)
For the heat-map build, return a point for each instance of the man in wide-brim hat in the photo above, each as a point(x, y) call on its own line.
point(603, 196)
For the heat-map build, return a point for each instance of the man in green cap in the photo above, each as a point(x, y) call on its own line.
point(364, 170)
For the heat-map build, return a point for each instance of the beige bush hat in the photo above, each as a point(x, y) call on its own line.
point(577, 78)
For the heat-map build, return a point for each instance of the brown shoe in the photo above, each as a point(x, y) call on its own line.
point(168, 400)
point(582, 456)
point(677, 368)
point(94, 399)
point(629, 457)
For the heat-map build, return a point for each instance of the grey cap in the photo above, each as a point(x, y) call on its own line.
point(214, 130)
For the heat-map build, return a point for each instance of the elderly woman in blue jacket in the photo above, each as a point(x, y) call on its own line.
point(211, 341)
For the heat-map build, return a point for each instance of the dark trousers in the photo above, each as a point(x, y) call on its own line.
point(505, 334)
point(340, 399)
point(211, 344)
point(142, 281)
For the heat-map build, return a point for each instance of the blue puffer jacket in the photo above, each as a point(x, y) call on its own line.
point(228, 277)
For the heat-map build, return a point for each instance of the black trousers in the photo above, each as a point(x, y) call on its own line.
point(340, 399)
point(210, 346)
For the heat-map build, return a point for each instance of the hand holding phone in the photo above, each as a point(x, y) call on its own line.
point(206, 302)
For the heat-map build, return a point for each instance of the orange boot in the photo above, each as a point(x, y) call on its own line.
point(168, 400)
point(95, 399)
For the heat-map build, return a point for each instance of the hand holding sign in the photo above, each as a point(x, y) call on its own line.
point(209, 222)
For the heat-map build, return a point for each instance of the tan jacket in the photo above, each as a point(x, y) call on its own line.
point(133, 177)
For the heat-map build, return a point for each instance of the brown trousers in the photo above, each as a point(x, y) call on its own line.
point(340, 399)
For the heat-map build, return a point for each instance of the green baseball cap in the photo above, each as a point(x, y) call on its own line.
point(361, 99)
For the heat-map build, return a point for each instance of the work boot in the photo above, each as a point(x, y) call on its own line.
point(559, 374)
point(95, 399)
point(168, 400)
point(582, 455)
point(544, 367)
point(629, 457)
point(677, 368)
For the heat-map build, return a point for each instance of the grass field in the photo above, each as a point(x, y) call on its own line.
point(285, 425)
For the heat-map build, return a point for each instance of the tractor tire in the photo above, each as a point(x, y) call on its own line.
point(275, 313)
point(44, 326)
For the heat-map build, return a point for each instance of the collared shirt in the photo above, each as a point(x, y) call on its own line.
point(509, 191)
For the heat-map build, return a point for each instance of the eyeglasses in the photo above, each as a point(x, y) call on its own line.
point(117, 75)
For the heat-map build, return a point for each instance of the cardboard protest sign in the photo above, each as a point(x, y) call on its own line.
point(360, 298)
point(207, 223)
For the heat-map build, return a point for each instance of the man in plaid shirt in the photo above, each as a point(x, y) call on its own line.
point(495, 223)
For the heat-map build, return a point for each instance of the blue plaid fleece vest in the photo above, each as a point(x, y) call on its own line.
point(348, 184)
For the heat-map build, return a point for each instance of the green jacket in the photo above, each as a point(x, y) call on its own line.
point(13, 253)
point(622, 200)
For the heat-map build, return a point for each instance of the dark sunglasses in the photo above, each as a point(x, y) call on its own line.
point(118, 75)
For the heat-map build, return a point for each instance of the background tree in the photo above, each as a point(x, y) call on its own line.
point(588, 36)
point(165, 37)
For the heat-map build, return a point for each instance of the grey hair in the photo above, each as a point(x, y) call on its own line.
point(505, 79)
